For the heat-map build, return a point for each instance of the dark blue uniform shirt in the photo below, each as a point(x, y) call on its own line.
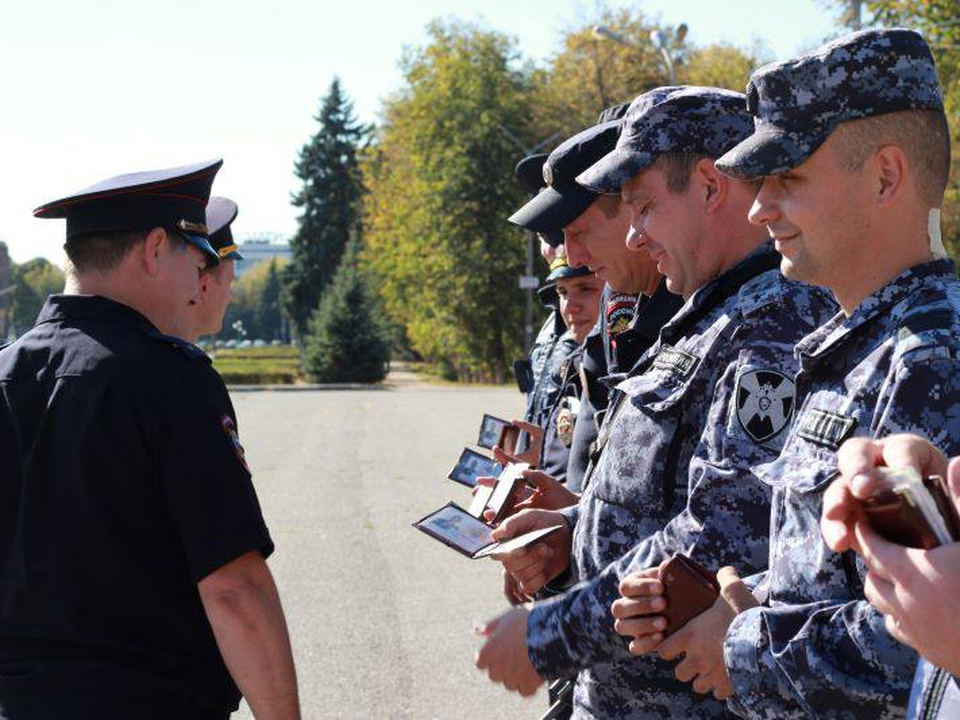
point(124, 484)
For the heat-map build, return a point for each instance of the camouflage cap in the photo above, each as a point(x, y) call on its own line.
point(689, 119)
point(797, 104)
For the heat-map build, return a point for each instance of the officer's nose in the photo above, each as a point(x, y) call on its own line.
point(636, 237)
point(765, 209)
point(577, 255)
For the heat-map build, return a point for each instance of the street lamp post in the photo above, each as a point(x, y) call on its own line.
point(528, 281)
point(656, 37)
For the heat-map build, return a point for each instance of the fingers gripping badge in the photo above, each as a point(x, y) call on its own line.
point(230, 428)
point(765, 402)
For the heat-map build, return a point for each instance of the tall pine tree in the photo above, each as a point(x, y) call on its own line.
point(330, 202)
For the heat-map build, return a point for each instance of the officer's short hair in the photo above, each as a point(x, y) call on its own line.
point(103, 252)
point(678, 168)
point(921, 134)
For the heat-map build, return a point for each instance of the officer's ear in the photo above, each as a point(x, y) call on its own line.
point(889, 171)
point(153, 249)
point(712, 185)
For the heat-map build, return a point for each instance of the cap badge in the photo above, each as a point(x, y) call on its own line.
point(192, 227)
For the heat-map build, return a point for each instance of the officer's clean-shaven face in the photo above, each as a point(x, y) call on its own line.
point(815, 215)
point(668, 226)
point(580, 304)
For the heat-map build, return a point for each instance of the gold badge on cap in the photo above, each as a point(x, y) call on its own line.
point(192, 227)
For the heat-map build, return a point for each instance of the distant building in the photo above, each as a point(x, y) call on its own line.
point(257, 247)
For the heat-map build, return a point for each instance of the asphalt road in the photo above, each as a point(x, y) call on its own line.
point(381, 616)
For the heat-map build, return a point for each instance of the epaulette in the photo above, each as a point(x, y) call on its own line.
point(760, 291)
point(932, 326)
point(187, 348)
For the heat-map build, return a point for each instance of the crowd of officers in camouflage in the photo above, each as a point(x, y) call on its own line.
point(777, 321)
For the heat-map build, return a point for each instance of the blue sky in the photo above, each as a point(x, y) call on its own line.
point(92, 88)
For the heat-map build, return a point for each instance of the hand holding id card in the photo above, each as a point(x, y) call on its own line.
point(913, 511)
point(458, 529)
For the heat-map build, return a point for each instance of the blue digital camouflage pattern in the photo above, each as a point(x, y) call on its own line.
point(675, 477)
point(553, 344)
point(797, 104)
point(684, 119)
point(935, 694)
point(893, 366)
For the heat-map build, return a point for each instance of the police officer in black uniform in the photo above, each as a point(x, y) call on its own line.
point(132, 545)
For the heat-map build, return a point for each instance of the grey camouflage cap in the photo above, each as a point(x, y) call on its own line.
point(703, 120)
point(797, 104)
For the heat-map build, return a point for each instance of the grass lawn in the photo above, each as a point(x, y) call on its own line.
point(270, 365)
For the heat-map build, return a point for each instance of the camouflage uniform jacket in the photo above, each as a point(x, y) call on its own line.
point(816, 646)
point(675, 477)
point(553, 345)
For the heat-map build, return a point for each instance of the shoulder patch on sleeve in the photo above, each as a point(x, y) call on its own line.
point(765, 403)
point(230, 428)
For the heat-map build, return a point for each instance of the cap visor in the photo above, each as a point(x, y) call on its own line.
point(769, 151)
point(614, 169)
point(552, 209)
point(204, 246)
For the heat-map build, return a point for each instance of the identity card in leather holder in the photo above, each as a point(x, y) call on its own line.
point(913, 511)
point(689, 589)
point(456, 528)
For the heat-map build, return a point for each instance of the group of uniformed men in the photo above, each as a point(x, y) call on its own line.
point(769, 284)
point(775, 288)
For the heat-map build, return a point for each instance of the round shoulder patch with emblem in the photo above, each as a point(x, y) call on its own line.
point(765, 402)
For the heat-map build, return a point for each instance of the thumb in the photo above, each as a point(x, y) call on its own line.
point(528, 428)
point(485, 628)
point(518, 524)
point(540, 480)
point(953, 481)
point(503, 458)
point(734, 591)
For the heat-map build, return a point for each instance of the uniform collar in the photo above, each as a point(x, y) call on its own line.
point(702, 294)
point(908, 283)
point(92, 307)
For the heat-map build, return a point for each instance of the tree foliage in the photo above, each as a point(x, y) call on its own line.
point(33, 282)
point(347, 339)
point(256, 303)
point(441, 186)
point(330, 202)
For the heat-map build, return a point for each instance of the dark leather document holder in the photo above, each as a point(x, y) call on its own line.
point(915, 514)
point(689, 588)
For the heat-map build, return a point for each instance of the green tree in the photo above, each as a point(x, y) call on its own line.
point(347, 340)
point(330, 201)
point(594, 70)
point(33, 281)
point(255, 302)
point(441, 185)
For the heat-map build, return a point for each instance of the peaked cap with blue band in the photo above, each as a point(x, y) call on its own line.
point(683, 119)
point(172, 198)
point(221, 212)
point(797, 104)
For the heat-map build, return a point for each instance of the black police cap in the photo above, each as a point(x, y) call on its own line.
point(221, 212)
point(172, 198)
point(529, 173)
point(563, 200)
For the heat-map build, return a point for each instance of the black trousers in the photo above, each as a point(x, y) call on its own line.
point(96, 706)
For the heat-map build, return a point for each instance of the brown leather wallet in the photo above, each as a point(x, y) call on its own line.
point(896, 516)
point(689, 589)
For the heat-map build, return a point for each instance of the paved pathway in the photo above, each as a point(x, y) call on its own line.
point(380, 615)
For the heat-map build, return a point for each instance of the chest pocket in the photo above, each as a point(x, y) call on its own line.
point(638, 467)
